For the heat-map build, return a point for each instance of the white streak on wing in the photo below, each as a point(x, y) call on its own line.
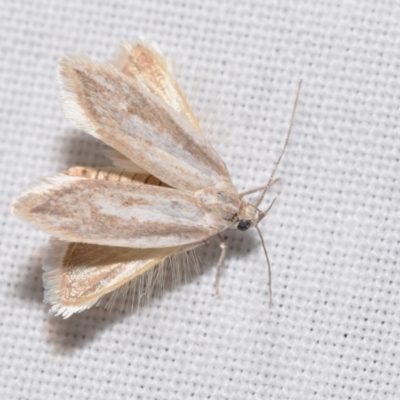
point(178, 158)
point(149, 210)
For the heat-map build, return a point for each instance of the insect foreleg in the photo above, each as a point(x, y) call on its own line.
point(223, 247)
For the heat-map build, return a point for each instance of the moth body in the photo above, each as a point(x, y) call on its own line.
point(168, 193)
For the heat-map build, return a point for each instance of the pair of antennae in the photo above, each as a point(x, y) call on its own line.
point(265, 188)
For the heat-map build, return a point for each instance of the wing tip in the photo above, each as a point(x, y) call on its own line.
point(70, 92)
point(120, 57)
point(18, 208)
point(28, 205)
point(23, 204)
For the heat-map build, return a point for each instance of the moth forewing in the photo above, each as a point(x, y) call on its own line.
point(145, 65)
point(139, 125)
point(125, 214)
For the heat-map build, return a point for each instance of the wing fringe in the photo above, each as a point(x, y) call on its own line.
point(132, 294)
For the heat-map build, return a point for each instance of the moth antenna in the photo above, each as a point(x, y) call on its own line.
point(284, 147)
point(262, 214)
point(269, 266)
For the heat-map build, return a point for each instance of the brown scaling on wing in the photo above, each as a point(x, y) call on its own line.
point(88, 272)
point(135, 103)
point(81, 274)
point(116, 213)
point(145, 65)
point(171, 156)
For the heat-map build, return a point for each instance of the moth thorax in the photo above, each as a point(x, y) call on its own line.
point(247, 216)
point(221, 201)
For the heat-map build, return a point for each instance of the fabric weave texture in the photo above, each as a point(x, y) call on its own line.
point(333, 331)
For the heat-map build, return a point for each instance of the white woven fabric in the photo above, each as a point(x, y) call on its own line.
point(332, 236)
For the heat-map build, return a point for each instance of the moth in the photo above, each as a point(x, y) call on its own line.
point(169, 191)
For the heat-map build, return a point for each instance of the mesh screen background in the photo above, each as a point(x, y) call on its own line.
point(332, 236)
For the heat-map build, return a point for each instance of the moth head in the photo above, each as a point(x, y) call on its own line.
point(248, 217)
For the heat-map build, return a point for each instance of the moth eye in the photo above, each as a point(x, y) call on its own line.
point(244, 224)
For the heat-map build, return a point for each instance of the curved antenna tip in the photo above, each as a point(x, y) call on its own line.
point(284, 145)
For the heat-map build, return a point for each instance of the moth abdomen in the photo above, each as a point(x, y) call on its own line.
point(114, 174)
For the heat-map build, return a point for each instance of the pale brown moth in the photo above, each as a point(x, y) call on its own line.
point(169, 193)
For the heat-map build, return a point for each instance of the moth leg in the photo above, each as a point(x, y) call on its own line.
point(257, 189)
point(223, 247)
